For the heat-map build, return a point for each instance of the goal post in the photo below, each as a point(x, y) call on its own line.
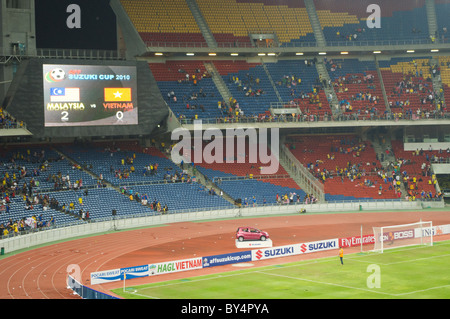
point(395, 236)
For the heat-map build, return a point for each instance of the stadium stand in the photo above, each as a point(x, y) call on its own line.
point(415, 168)
point(31, 171)
point(293, 77)
point(7, 121)
point(402, 22)
point(98, 178)
point(237, 19)
point(444, 71)
point(121, 163)
point(163, 23)
point(409, 86)
point(299, 81)
point(41, 166)
point(348, 167)
point(442, 9)
point(241, 177)
point(358, 87)
point(251, 88)
point(188, 89)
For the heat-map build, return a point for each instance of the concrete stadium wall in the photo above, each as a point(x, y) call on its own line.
point(27, 241)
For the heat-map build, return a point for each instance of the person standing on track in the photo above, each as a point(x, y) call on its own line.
point(341, 255)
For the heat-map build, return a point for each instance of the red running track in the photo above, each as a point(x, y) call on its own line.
point(41, 273)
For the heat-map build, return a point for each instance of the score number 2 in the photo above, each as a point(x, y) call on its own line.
point(64, 116)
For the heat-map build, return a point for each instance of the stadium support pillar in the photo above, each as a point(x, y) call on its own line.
point(134, 44)
point(300, 174)
point(15, 42)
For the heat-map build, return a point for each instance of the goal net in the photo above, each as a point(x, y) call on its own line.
point(388, 237)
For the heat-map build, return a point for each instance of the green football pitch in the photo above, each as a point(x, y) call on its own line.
point(408, 273)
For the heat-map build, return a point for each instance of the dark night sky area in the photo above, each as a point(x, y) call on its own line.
point(98, 25)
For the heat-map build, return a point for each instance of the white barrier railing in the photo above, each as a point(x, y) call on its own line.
point(51, 235)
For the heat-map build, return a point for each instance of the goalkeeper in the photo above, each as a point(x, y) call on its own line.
point(391, 238)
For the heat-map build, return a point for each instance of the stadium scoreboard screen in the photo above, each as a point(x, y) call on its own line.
point(87, 95)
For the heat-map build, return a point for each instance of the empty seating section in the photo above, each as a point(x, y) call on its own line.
point(230, 67)
point(408, 85)
point(173, 39)
point(444, 64)
point(306, 73)
point(177, 70)
point(121, 164)
point(295, 81)
point(99, 202)
point(334, 22)
point(356, 83)
point(183, 196)
point(402, 21)
point(106, 162)
point(235, 20)
point(232, 21)
point(18, 211)
point(247, 77)
point(189, 94)
point(261, 191)
point(163, 22)
point(177, 196)
point(347, 166)
point(245, 180)
point(243, 162)
point(39, 163)
point(442, 11)
point(357, 86)
point(241, 76)
point(416, 166)
point(42, 168)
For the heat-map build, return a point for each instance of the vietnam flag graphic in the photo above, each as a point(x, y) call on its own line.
point(117, 94)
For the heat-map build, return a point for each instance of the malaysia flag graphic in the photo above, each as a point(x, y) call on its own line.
point(59, 94)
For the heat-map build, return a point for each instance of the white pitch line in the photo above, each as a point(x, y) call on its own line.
point(417, 291)
point(328, 283)
point(315, 261)
point(220, 276)
point(145, 296)
point(193, 281)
